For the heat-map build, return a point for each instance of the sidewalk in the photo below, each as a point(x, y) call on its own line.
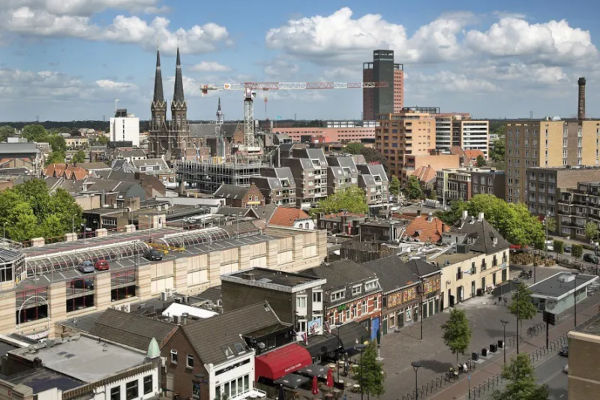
point(586, 310)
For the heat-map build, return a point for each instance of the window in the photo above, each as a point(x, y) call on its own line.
point(302, 325)
point(115, 393)
point(190, 361)
point(6, 273)
point(148, 384)
point(131, 390)
point(375, 303)
point(355, 290)
point(364, 307)
point(371, 285)
point(317, 297)
point(301, 302)
point(174, 356)
point(338, 295)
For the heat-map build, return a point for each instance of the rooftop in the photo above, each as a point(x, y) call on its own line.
point(560, 285)
point(273, 279)
point(84, 358)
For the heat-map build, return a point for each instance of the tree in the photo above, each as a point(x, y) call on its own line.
point(457, 332)
point(559, 246)
point(354, 148)
point(351, 199)
point(577, 250)
point(6, 131)
point(56, 157)
point(498, 150)
point(372, 371)
point(591, 230)
point(550, 223)
point(480, 162)
point(78, 157)
point(521, 381)
point(413, 188)
point(57, 143)
point(34, 133)
point(522, 304)
point(513, 221)
point(102, 140)
point(395, 185)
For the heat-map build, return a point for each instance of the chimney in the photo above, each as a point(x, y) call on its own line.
point(581, 100)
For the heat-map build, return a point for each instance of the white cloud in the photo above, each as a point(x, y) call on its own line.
point(553, 41)
point(210, 66)
point(86, 7)
point(113, 85)
point(31, 21)
point(448, 81)
point(280, 68)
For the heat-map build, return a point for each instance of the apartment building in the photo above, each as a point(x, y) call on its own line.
point(576, 207)
point(490, 181)
point(547, 143)
point(374, 181)
point(454, 184)
point(341, 173)
point(409, 132)
point(309, 169)
point(277, 185)
point(544, 186)
point(458, 129)
point(388, 99)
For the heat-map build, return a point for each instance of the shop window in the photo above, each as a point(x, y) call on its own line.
point(115, 393)
point(148, 384)
point(80, 294)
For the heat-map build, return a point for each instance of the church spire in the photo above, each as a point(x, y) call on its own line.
point(178, 93)
point(158, 88)
point(219, 113)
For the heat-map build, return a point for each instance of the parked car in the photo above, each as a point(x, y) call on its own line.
point(102, 265)
point(566, 369)
point(564, 351)
point(549, 245)
point(153, 255)
point(590, 258)
point(86, 267)
point(567, 248)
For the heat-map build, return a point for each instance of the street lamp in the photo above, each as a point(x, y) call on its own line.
point(416, 365)
point(575, 300)
point(360, 347)
point(420, 292)
point(516, 281)
point(503, 322)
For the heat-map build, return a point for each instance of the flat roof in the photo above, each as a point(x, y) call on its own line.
point(41, 379)
point(560, 285)
point(86, 358)
point(273, 279)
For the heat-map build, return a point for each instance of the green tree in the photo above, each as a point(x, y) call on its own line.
point(102, 140)
point(480, 162)
point(372, 371)
point(521, 381)
point(550, 224)
point(56, 157)
point(78, 157)
point(457, 332)
point(577, 250)
point(395, 185)
point(351, 199)
point(513, 221)
point(522, 303)
point(354, 148)
point(57, 143)
point(35, 133)
point(6, 131)
point(413, 188)
point(559, 246)
point(498, 150)
point(591, 230)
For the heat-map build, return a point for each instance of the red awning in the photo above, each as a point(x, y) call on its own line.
point(282, 361)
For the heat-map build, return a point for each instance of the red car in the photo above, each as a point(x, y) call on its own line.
point(102, 265)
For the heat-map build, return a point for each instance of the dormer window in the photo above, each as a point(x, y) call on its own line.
point(371, 285)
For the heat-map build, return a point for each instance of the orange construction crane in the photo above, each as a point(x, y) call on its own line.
point(291, 86)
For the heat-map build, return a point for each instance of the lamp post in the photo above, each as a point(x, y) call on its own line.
point(4, 231)
point(518, 299)
point(360, 347)
point(575, 300)
point(503, 322)
point(416, 365)
point(73, 223)
point(420, 292)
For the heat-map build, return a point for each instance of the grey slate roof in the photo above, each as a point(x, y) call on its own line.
point(131, 329)
point(341, 273)
point(212, 337)
point(21, 148)
point(210, 130)
point(393, 273)
point(480, 235)
point(555, 287)
point(234, 192)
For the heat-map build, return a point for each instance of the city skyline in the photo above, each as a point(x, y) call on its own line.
point(71, 60)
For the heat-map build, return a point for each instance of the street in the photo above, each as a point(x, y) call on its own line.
point(550, 372)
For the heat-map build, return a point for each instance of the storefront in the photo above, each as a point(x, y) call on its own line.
point(280, 362)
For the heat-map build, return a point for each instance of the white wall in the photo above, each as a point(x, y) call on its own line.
point(103, 393)
point(234, 373)
point(125, 128)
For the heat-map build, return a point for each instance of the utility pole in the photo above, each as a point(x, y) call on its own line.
point(518, 299)
point(503, 322)
point(575, 301)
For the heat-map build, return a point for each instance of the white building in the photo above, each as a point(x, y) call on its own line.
point(458, 129)
point(474, 135)
point(125, 127)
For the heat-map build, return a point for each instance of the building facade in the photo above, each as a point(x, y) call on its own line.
point(490, 181)
point(576, 207)
point(383, 100)
point(454, 184)
point(125, 128)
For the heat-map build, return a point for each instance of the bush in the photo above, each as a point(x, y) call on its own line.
point(559, 246)
point(577, 250)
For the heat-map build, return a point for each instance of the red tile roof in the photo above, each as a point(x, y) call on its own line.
point(66, 171)
point(473, 154)
point(425, 173)
point(286, 216)
point(425, 230)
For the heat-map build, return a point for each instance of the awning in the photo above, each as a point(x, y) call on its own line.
point(292, 381)
point(350, 334)
point(320, 371)
point(282, 361)
point(322, 344)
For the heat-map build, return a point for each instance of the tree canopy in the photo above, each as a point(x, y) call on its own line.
point(521, 381)
point(28, 210)
point(5, 132)
point(522, 302)
point(78, 157)
point(513, 221)
point(591, 230)
point(395, 185)
point(457, 332)
point(480, 162)
point(413, 189)
point(372, 371)
point(351, 199)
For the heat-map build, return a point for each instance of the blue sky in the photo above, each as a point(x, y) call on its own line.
point(69, 59)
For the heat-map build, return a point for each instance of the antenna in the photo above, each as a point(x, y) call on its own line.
point(116, 103)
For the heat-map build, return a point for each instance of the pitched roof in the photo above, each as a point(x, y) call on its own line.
point(93, 165)
point(228, 191)
point(341, 273)
point(481, 236)
point(68, 171)
point(265, 212)
point(286, 216)
point(131, 329)
point(393, 273)
point(474, 153)
point(425, 173)
point(427, 229)
point(211, 338)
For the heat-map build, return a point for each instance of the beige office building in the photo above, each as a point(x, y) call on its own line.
point(547, 143)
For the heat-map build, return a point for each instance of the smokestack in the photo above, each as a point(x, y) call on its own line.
point(581, 101)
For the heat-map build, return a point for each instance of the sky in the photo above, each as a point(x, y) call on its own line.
point(67, 60)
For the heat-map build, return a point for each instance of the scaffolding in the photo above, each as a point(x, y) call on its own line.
point(207, 176)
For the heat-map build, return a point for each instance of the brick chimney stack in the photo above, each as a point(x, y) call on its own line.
point(581, 100)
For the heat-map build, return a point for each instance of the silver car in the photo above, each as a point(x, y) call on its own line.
point(86, 267)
